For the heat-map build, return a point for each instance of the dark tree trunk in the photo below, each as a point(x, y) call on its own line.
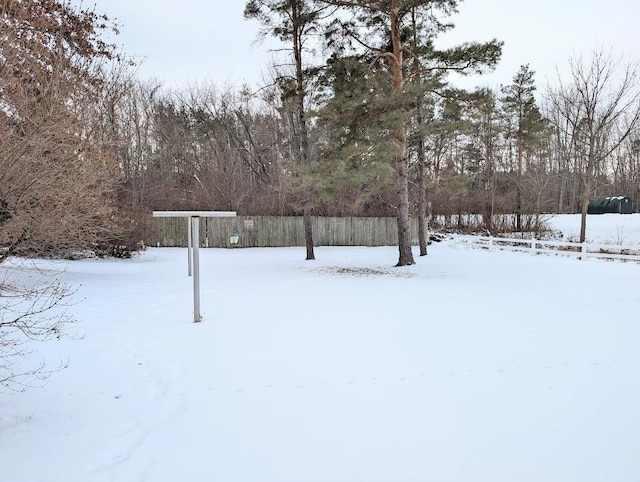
point(400, 135)
point(308, 235)
point(518, 207)
point(305, 156)
point(422, 182)
point(404, 234)
point(422, 193)
point(586, 197)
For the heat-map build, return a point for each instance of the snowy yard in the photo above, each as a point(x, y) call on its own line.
point(470, 366)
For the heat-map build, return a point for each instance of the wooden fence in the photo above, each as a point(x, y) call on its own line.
point(277, 231)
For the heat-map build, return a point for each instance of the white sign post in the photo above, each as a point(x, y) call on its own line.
point(193, 246)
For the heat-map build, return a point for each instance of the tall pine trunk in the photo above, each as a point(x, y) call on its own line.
point(400, 138)
point(422, 182)
point(519, 184)
point(422, 187)
point(305, 157)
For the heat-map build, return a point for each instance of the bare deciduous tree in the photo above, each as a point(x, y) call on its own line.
point(594, 112)
point(293, 22)
point(30, 311)
point(56, 178)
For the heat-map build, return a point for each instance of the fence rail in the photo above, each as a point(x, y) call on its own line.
point(538, 246)
point(282, 231)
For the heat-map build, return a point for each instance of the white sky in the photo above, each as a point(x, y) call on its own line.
point(210, 40)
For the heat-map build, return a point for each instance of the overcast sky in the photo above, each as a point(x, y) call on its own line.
point(197, 40)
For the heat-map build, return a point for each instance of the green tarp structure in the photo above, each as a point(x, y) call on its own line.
point(614, 204)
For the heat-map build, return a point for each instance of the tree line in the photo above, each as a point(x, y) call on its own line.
point(372, 127)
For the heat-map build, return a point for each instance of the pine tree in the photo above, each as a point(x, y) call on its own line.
point(353, 133)
point(484, 149)
point(383, 30)
point(525, 125)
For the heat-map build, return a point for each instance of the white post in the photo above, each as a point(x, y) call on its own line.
point(583, 250)
point(195, 229)
point(193, 242)
point(189, 244)
point(533, 245)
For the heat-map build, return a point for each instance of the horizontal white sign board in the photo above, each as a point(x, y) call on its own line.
point(193, 214)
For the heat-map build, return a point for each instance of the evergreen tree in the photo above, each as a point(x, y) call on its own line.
point(382, 29)
point(524, 126)
point(354, 133)
point(438, 136)
point(484, 150)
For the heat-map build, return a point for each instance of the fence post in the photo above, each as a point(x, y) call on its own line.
point(195, 232)
point(189, 244)
point(490, 243)
point(583, 250)
point(533, 245)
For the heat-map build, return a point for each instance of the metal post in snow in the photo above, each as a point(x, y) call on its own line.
point(195, 229)
point(193, 233)
point(189, 245)
point(533, 245)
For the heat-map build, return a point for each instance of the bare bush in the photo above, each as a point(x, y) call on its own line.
point(57, 179)
point(31, 311)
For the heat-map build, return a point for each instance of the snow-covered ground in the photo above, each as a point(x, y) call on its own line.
point(469, 366)
point(620, 229)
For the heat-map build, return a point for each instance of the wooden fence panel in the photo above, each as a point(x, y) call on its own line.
point(281, 231)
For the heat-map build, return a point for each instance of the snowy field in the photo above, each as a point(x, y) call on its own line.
point(619, 229)
point(470, 366)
